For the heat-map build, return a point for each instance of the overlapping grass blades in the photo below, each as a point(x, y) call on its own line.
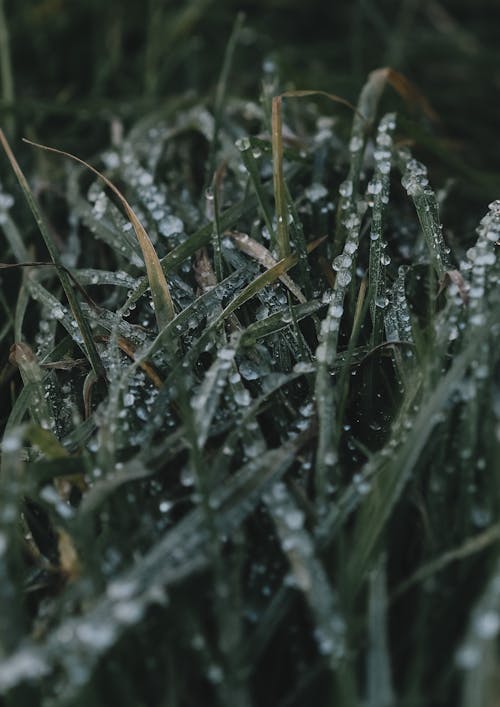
point(296, 458)
point(85, 331)
point(164, 308)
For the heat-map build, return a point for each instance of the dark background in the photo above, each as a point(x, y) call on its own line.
point(76, 61)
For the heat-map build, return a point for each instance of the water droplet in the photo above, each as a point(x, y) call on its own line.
point(128, 399)
point(355, 144)
point(343, 278)
point(381, 301)
point(170, 225)
point(468, 657)
point(215, 674)
point(342, 261)
point(128, 612)
point(294, 519)
point(243, 143)
point(487, 625)
point(345, 189)
point(249, 370)
point(316, 192)
point(187, 476)
point(242, 397)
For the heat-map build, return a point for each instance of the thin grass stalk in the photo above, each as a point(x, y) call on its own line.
point(283, 238)
point(6, 73)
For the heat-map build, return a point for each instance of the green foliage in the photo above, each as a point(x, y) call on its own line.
point(273, 480)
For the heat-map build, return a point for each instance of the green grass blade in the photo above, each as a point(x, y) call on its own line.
point(89, 346)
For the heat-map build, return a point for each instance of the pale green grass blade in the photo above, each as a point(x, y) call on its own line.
point(380, 692)
point(378, 191)
point(416, 183)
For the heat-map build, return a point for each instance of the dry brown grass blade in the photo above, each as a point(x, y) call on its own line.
point(129, 349)
point(314, 92)
point(409, 92)
point(261, 254)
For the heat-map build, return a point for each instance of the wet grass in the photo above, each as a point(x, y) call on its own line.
point(250, 407)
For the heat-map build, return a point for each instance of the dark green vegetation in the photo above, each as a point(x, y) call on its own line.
point(249, 385)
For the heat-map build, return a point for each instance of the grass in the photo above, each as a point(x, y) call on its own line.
point(250, 408)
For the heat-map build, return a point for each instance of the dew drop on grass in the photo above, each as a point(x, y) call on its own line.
point(249, 370)
point(187, 477)
point(342, 261)
point(24, 664)
point(345, 189)
point(331, 458)
point(294, 519)
point(226, 354)
point(355, 144)
point(128, 399)
point(98, 635)
point(170, 226)
point(343, 278)
point(242, 397)
point(316, 192)
point(468, 657)
point(243, 144)
point(215, 674)
point(487, 625)
point(128, 612)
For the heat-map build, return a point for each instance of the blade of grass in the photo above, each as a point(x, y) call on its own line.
point(220, 93)
point(279, 180)
point(89, 346)
point(6, 69)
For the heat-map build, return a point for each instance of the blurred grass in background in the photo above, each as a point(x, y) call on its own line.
point(78, 65)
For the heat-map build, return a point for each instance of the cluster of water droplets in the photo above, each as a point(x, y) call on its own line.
point(307, 573)
point(397, 318)
point(383, 149)
point(479, 266)
point(152, 195)
point(343, 263)
point(415, 181)
point(378, 197)
point(415, 178)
